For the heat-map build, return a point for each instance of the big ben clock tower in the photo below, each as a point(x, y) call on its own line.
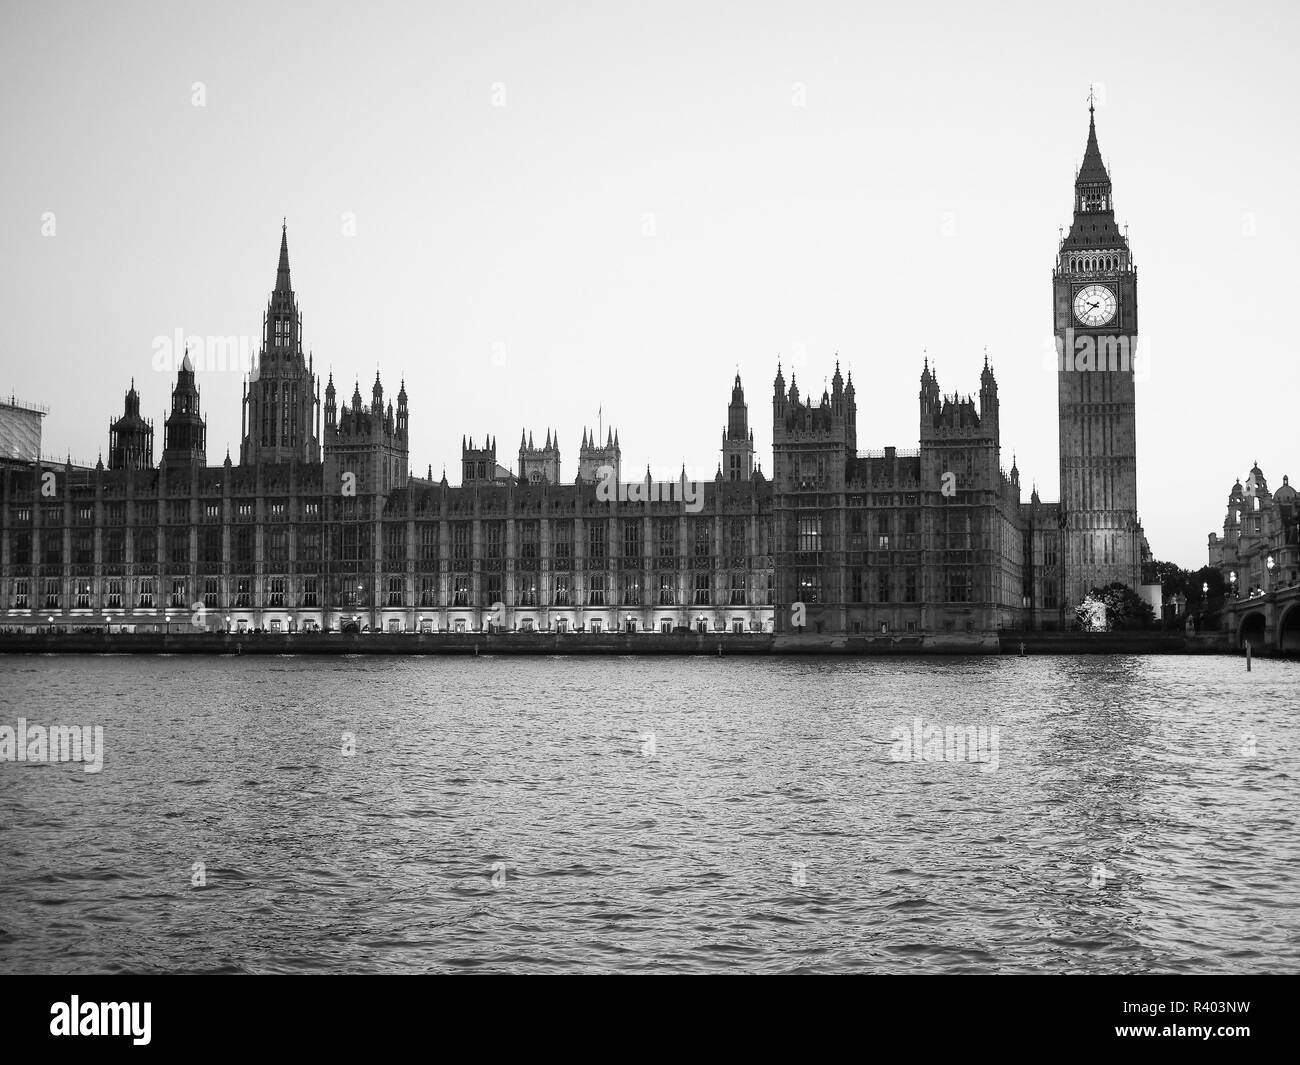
point(1094, 303)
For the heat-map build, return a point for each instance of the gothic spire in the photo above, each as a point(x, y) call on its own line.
point(282, 271)
point(1092, 171)
point(1094, 225)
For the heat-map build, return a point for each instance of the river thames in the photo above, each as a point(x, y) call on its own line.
point(512, 814)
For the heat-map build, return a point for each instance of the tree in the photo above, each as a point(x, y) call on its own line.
point(1171, 577)
point(1174, 580)
point(1091, 614)
point(1116, 606)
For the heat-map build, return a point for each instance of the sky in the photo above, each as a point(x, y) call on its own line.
point(563, 215)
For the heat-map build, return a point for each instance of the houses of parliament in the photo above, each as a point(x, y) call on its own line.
point(321, 524)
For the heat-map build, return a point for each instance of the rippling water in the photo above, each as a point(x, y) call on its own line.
point(692, 814)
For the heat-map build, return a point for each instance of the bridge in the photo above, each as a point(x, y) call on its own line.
point(1270, 623)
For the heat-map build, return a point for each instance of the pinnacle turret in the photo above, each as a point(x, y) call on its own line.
point(1092, 171)
point(1094, 210)
point(282, 283)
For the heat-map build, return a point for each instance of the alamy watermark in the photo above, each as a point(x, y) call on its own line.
point(950, 743)
point(75, 1017)
point(57, 743)
point(207, 354)
point(684, 491)
point(1072, 352)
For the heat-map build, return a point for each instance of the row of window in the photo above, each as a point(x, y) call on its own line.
point(600, 591)
point(148, 596)
point(948, 626)
point(1092, 263)
point(175, 544)
point(951, 531)
point(352, 542)
point(886, 586)
point(178, 513)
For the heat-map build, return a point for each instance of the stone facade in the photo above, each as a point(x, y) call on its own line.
point(888, 541)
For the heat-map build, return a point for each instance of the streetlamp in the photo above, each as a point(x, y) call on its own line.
point(1271, 563)
point(108, 619)
point(1232, 577)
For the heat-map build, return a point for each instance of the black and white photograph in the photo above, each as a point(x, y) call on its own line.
point(613, 489)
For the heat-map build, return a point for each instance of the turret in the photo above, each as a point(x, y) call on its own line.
point(988, 395)
point(186, 432)
point(281, 397)
point(537, 465)
point(593, 455)
point(478, 464)
point(930, 400)
point(737, 440)
point(130, 438)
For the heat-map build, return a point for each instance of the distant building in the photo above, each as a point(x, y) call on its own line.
point(1260, 526)
point(323, 525)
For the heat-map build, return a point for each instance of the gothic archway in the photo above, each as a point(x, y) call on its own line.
point(1288, 631)
point(1252, 632)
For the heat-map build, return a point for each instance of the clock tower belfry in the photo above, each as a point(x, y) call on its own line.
point(1094, 304)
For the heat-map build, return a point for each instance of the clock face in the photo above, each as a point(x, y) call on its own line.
point(1095, 305)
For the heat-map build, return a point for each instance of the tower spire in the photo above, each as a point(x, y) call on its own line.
point(282, 271)
point(1092, 171)
point(1094, 225)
